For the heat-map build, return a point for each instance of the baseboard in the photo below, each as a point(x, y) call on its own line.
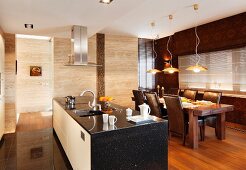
point(236, 126)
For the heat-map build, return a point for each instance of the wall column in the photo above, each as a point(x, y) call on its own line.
point(10, 69)
point(100, 48)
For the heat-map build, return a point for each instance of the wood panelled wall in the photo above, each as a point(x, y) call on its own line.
point(223, 34)
point(10, 83)
point(238, 116)
point(163, 79)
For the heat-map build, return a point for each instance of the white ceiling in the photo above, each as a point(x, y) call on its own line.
point(124, 17)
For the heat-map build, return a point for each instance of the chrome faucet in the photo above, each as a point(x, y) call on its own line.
point(93, 105)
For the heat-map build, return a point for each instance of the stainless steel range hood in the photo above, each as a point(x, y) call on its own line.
point(80, 47)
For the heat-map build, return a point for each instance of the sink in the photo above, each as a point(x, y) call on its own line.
point(83, 113)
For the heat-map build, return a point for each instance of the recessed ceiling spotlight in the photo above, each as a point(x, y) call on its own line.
point(106, 1)
point(29, 26)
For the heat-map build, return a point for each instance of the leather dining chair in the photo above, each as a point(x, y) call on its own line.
point(154, 105)
point(213, 96)
point(178, 121)
point(138, 98)
point(190, 94)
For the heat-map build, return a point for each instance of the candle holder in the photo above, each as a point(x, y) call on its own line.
point(162, 91)
point(158, 90)
point(106, 106)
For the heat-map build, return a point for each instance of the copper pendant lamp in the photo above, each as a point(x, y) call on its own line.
point(153, 70)
point(197, 67)
point(170, 69)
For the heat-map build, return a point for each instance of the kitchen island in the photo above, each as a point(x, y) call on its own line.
point(91, 144)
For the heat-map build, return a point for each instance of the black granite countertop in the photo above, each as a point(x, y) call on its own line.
point(94, 124)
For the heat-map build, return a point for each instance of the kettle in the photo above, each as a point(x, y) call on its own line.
point(70, 100)
point(144, 109)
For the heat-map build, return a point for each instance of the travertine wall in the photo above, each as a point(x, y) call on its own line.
point(10, 57)
point(121, 64)
point(121, 68)
point(72, 80)
point(33, 93)
point(2, 82)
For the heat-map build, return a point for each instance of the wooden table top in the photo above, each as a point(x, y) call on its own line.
point(205, 110)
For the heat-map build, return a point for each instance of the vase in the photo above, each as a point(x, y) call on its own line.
point(106, 106)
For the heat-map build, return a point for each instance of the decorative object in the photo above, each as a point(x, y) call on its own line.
point(154, 56)
point(158, 90)
point(105, 103)
point(35, 71)
point(197, 68)
point(162, 91)
point(170, 69)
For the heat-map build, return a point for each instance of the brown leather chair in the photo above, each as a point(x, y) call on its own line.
point(178, 120)
point(138, 98)
point(190, 94)
point(213, 96)
point(154, 105)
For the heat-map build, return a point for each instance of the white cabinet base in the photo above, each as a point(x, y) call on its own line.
point(69, 132)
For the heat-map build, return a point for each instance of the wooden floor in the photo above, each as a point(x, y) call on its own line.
point(211, 154)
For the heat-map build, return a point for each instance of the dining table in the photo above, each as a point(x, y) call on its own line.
point(203, 109)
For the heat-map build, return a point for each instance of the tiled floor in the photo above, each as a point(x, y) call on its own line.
point(32, 148)
point(7, 155)
point(35, 146)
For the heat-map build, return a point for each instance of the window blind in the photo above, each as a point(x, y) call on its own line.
point(226, 71)
point(145, 62)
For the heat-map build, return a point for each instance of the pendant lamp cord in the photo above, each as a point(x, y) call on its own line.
point(154, 56)
point(197, 44)
point(171, 56)
point(197, 37)
point(153, 46)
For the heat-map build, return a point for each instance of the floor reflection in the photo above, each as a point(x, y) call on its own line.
point(33, 146)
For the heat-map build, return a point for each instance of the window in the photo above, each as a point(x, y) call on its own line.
point(226, 71)
point(145, 62)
